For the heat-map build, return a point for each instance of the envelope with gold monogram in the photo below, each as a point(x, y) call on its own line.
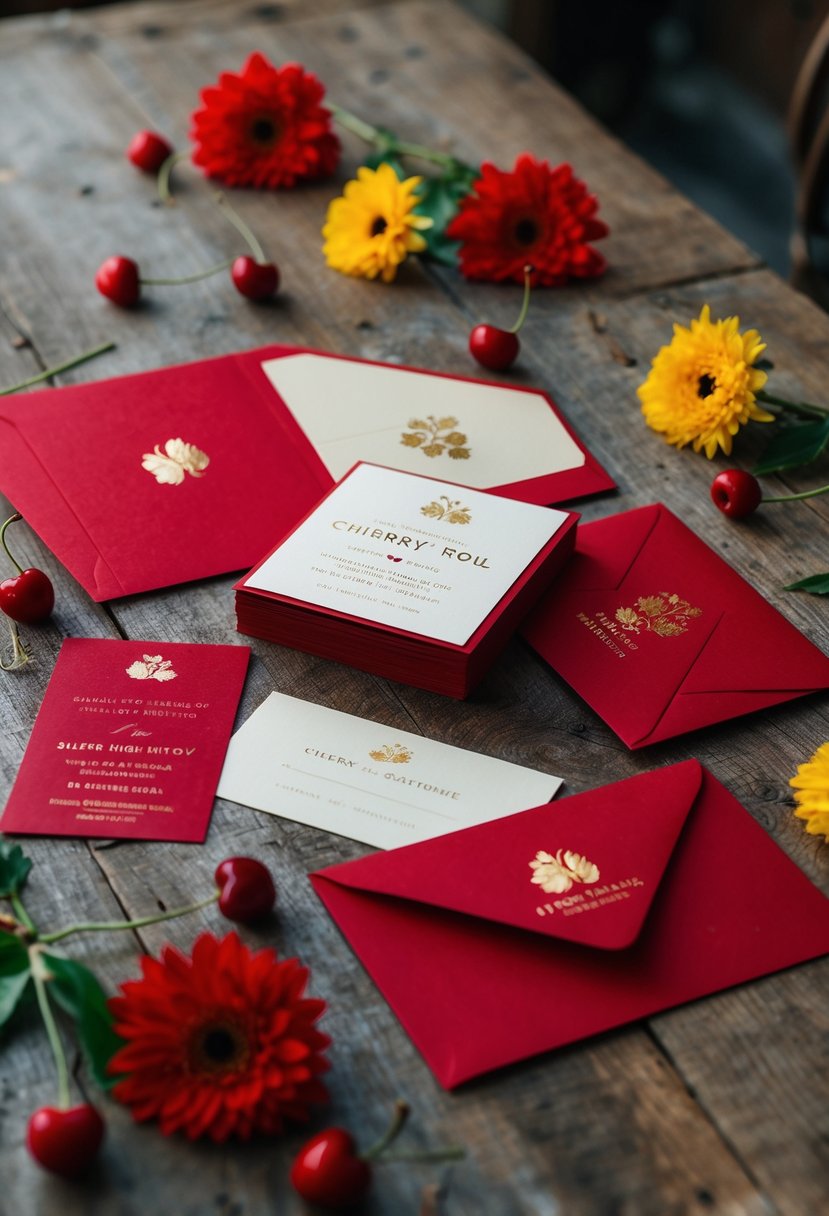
point(660, 636)
point(516, 936)
point(178, 474)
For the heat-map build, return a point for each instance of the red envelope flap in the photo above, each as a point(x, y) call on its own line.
point(607, 548)
point(584, 870)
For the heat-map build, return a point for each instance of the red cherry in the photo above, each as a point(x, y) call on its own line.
point(148, 151)
point(117, 279)
point(327, 1170)
point(494, 348)
point(65, 1141)
point(736, 493)
point(256, 280)
point(247, 890)
point(28, 598)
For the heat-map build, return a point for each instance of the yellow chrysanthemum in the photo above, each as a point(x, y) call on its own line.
point(701, 387)
point(811, 782)
point(372, 227)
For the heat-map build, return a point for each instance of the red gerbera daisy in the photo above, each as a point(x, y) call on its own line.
point(218, 1044)
point(264, 127)
point(535, 215)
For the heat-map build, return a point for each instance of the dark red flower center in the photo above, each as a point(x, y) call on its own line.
point(219, 1046)
point(706, 385)
point(526, 231)
point(379, 226)
point(264, 131)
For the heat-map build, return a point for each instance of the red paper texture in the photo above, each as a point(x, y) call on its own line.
point(694, 645)
point(682, 894)
point(122, 747)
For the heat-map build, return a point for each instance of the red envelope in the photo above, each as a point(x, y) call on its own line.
point(660, 636)
point(504, 940)
point(241, 471)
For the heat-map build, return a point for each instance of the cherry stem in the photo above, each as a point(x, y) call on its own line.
point(797, 497)
point(797, 407)
point(395, 1127)
point(378, 139)
point(61, 367)
point(525, 304)
point(242, 228)
point(190, 278)
point(11, 520)
point(164, 175)
point(40, 974)
point(20, 656)
point(138, 923)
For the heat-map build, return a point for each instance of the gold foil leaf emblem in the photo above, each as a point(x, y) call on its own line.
point(447, 510)
point(434, 436)
point(665, 615)
point(392, 753)
point(555, 875)
point(152, 667)
point(168, 467)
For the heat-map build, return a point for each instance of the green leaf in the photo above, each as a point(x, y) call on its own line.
point(375, 159)
point(794, 445)
point(15, 974)
point(14, 868)
point(816, 584)
point(80, 995)
point(439, 198)
point(764, 365)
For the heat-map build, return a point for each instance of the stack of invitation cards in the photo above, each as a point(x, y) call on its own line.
point(418, 580)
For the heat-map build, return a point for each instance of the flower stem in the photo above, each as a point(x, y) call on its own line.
point(164, 175)
point(11, 520)
point(797, 407)
point(21, 913)
point(61, 367)
point(395, 1127)
point(190, 278)
point(384, 143)
point(39, 974)
point(139, 923)
point(525, 303)
point(797, 497)
point(242, 228)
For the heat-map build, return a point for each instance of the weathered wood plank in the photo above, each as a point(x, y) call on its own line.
point(646, 1121)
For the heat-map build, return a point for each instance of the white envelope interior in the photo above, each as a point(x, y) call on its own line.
point(354, 411)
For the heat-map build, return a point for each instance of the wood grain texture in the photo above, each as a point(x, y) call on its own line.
point(718, 1107)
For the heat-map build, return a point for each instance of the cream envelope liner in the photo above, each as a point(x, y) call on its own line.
point(357, 411)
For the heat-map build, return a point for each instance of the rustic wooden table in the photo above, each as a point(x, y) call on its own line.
point(716, 1107)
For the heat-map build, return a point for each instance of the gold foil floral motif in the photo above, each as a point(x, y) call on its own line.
point(434, 436)
point(447, 510)
point(555, 875)
point(392, 753)
point(168, 467)
point(665, 615)
point(152, 667)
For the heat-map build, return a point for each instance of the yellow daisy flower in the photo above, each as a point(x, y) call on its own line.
point(701, 387)
point(811, 781)
point(371, 228)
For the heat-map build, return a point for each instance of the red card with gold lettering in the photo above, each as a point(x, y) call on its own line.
point(516, 936)
point(660, 636)
point(129, 741)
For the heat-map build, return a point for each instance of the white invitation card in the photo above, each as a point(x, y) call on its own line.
point(416, 554)
point(370, 782)
point(410, 420)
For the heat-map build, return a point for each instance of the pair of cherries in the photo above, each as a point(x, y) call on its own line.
point(119, 278)
point(66, 1142)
